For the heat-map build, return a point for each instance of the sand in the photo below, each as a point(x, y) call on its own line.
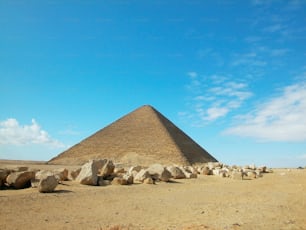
point(276, 201)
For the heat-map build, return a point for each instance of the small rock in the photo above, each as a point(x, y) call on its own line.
point(119, 181)
point(47, 183)
point(159, 172)
point(142, 175)
point(148, 181)
point(176, 172)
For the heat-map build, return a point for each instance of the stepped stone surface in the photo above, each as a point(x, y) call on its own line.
point(143, 136)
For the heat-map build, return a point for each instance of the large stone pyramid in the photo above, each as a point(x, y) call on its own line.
point(143, 137)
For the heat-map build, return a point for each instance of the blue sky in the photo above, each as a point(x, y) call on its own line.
point(231, 74)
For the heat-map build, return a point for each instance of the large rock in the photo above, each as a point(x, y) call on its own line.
point(20, 180)
point(128, 178)
point(47, 183)
point(159, 172)
point(188, 174)
point(176, 172)
point(61, 174)
point(38, 176)
point(73, 174)
point(142, 175)
point(89, 172)
point(205, 171)
point(107, 168)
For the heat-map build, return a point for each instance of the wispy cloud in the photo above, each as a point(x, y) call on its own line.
point(213, 97)
point(12, 133)
point(281, 118)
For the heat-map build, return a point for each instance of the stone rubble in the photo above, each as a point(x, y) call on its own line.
point(104, 172)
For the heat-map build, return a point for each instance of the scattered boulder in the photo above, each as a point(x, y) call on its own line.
point(38, 176)
point(107, 168)
point(47, 183)
point(142, 175)
point(119, 170)
point(89, 172)
point(72, 175)
point(176, 172)
point(205, 171)
point(119, 181)
point(20, 180)
point(128, 178)
point(188, 174)
point(159, 172)
point(148, 181)
point(61, 174)
point(134, 170)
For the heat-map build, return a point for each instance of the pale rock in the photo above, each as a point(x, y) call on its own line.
point(128, 178)
point(119, 181)
point(188, 174)
point(159, 172)
point(47, 183)
point(73, 174)
point(107, 168)
point(61, 174)
point(20, 180)
point(148, 181)
point(142, 175)
point(119, 170)
point(134, 169)
point(176, 172)
point(262, 169)
point(205, 171)
point(251, 174)
point(38, 176)
point(191, 169)
point(89, 172)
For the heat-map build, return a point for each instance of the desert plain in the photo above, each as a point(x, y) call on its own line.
point(275, 201)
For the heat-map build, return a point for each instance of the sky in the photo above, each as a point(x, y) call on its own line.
point(230, 74)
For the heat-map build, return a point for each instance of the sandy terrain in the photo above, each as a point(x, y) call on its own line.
point(276, 201)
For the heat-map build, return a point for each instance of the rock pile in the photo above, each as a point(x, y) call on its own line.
point(23, 177)
point(104, 172)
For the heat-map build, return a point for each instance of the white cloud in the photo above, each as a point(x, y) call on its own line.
point(281, 118)
point(192, 74)
point(12, 133)
point(214, 97)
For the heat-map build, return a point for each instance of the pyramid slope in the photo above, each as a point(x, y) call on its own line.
point(143, 136)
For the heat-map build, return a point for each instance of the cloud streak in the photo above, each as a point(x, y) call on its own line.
point(12, 133)
point(281, 118)
point(214, 97)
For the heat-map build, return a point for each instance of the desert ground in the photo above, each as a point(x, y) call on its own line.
point(275, 201)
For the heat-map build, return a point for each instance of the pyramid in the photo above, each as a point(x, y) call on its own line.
point(141, 137)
